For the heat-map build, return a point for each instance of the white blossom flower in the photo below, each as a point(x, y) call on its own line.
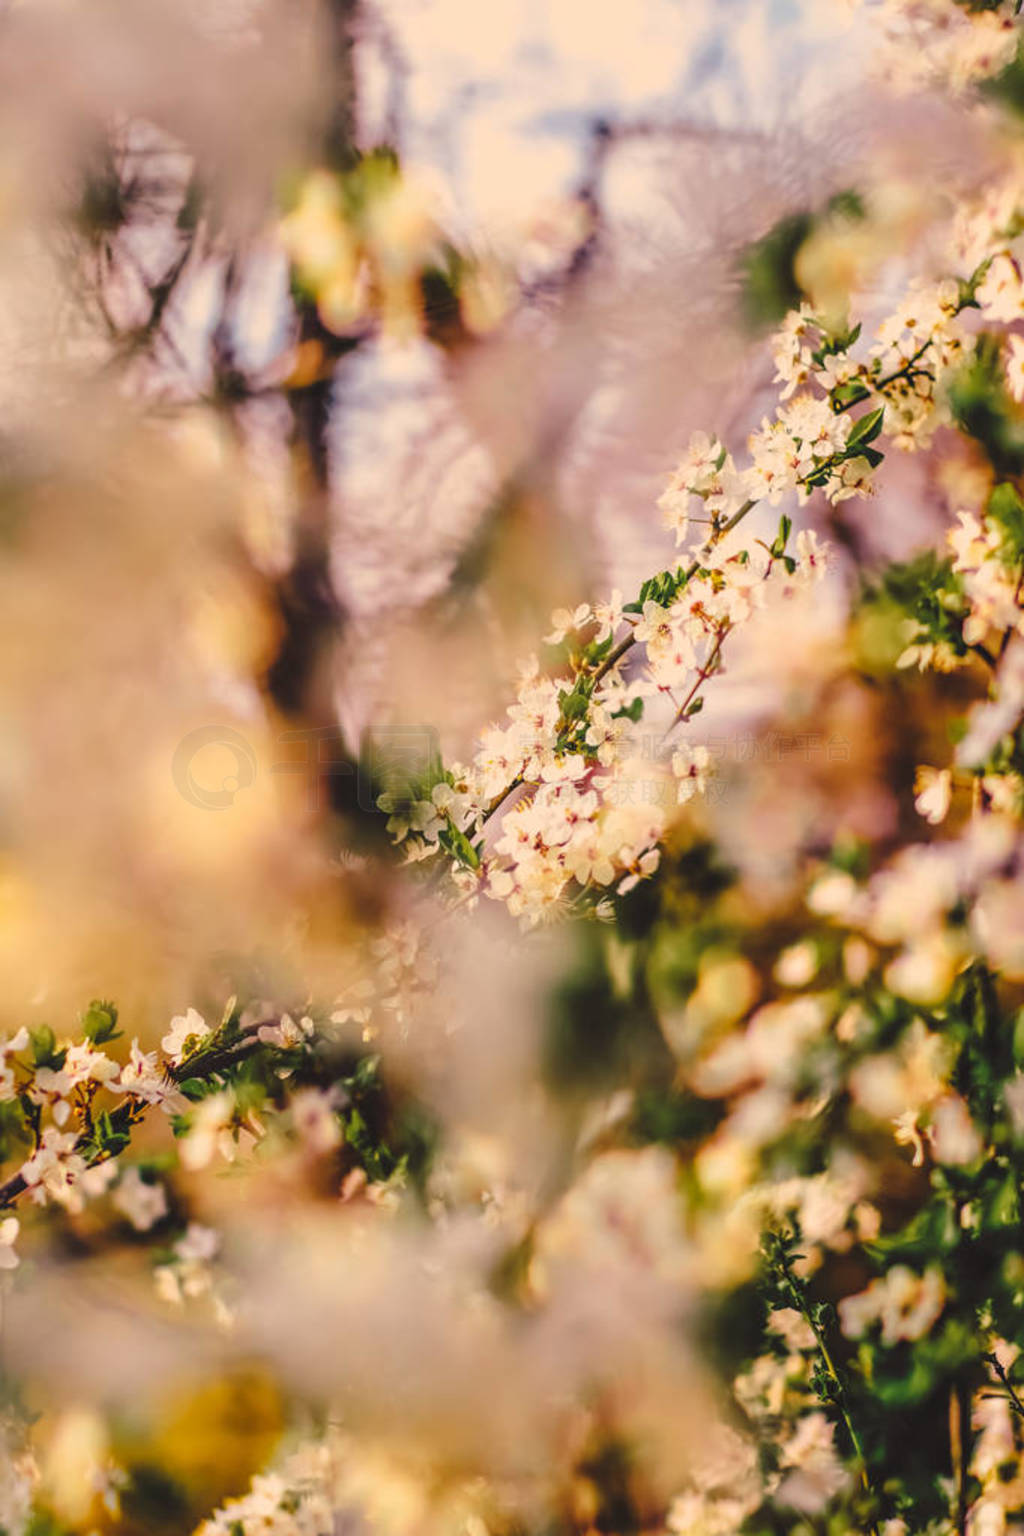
point(10, 1047)
point(186, 1035)
point(834, 894)
point(793, 346)
point(792, 1326)
point(83, 1063)
point(566, 621)
point(315, 1119)
point(9, 1228)
point(189, 1274)
point(142, 1202)
point(906, 1304)
point(210, 1132)
point(815, 1473)
point(691, 766)
point(933, 792)
point(797, 965)
point(954, 1137)
point(97, 1179)
point(198, 1245)
point(1000, 294)
point(143, 1077)
point(811, 556)
point(608, 616)
point(286, 1033)
point(50, 1173)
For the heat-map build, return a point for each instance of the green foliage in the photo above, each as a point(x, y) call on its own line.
point(1006, 508)
point(109, 1134)
point(982, 408)
point(1007, 88)
point(768, 266)
point(663, 589)
point(927, 590)
point(595, 1035)
point(459, 846)
point(865, 430)
point(768, 271)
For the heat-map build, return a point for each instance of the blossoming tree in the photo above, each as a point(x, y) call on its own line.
point(752, 1260)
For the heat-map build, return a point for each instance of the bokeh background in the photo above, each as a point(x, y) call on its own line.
point(340, 341)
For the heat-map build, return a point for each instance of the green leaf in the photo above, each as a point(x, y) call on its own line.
point(818, 476)
point(785, 529)
point(768, 271)
point(597, 650)
point(1006, 508)
point(575, 704)
point(459, 846)
point(865, 430)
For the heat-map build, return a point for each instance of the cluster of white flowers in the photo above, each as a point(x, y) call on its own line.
point(580, 805)
point(389, 976)
point(945, 43)
point(776, 1397)
point(57, 1170)
point(426, 818)
point(61, 1086)
point(145, 1078)
point(290, 1502)
point(51, 1173)
point(802, 446)
point(909, 907)
point(987, 564)
point(586, 793)
point(705, 472)
point(593, 799)
point(918, 348)
point(725, 1488)
point(996, 1461)
point(905, 368)
point(992, 582)
point(564, 832)
point(905, 1304)
point(142, 1201)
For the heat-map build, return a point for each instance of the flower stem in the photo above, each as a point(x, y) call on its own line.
point(798, 1295)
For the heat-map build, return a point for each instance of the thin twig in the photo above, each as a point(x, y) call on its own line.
point(1015, 1402)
